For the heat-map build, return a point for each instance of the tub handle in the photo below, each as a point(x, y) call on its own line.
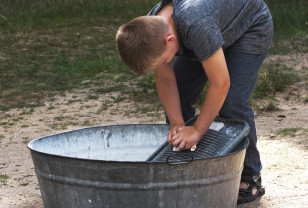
point(182, 160)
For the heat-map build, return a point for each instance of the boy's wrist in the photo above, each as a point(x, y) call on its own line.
point(201, 127)
point(177, 123)
point(201, 131)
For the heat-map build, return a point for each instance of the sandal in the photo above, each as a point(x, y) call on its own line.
point(253, 182)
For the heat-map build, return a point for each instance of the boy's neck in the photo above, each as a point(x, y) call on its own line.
point(166, 13)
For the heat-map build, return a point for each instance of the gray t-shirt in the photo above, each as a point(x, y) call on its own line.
point(203, 26)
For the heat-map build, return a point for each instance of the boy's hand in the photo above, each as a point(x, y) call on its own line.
point(184, 137)
point(173, 133)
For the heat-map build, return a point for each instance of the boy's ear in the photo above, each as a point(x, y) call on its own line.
point(169, 38)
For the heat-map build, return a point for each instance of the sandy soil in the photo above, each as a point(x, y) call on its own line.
point(285, 159)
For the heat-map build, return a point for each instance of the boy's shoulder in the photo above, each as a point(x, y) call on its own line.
point(155, 9)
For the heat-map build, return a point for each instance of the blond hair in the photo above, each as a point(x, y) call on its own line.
point(140, 42)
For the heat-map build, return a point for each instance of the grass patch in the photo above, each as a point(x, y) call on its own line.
point(269, 107)
point(92, 97)
point(297, 44)
point(145, 90)
point(292, 132)
point(54, 46)
point(59, 118)
point(31, 14)
point(4, 178)
point(87, 123)
point(289, 17)
point(273, 77)
point(26, 140)
point(104, 107)
point(24, 184)
point(49, 47)
point(118, 99)
point(149, 110)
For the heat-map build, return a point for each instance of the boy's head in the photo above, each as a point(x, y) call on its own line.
point(141, 42)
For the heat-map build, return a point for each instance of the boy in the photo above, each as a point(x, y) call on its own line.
point(220, 41)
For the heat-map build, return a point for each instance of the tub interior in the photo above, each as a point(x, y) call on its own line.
point(110, 143)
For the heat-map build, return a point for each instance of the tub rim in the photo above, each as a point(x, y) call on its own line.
point(30, 146)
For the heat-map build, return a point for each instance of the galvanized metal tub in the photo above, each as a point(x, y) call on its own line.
point(106, 167)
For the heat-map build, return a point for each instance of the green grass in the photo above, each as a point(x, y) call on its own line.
point(269, 107)
point(49, 47)
point(289, 17)
point(33, 13)
point(24, 184)
point(3, 179)
point(292, 131)
point(273, 77)
point(290, 26)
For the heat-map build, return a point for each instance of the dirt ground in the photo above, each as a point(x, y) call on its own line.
point(285, 158)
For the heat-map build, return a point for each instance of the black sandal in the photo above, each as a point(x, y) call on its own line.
point(253, 182)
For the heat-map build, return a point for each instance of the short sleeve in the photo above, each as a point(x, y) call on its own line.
point(204, 38)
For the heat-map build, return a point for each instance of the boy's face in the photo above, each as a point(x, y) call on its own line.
point(167, 56)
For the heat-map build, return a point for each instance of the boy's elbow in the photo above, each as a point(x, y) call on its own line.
point(221, 83)
point(227, 84)
point(224, 86)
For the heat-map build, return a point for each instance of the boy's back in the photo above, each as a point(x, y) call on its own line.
point(204, 26)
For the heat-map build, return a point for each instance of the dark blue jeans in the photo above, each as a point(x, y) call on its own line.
point(243, 70)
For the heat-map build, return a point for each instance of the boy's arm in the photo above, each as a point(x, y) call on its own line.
point(168, 93)
point(217, 73)
point(216, 70)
